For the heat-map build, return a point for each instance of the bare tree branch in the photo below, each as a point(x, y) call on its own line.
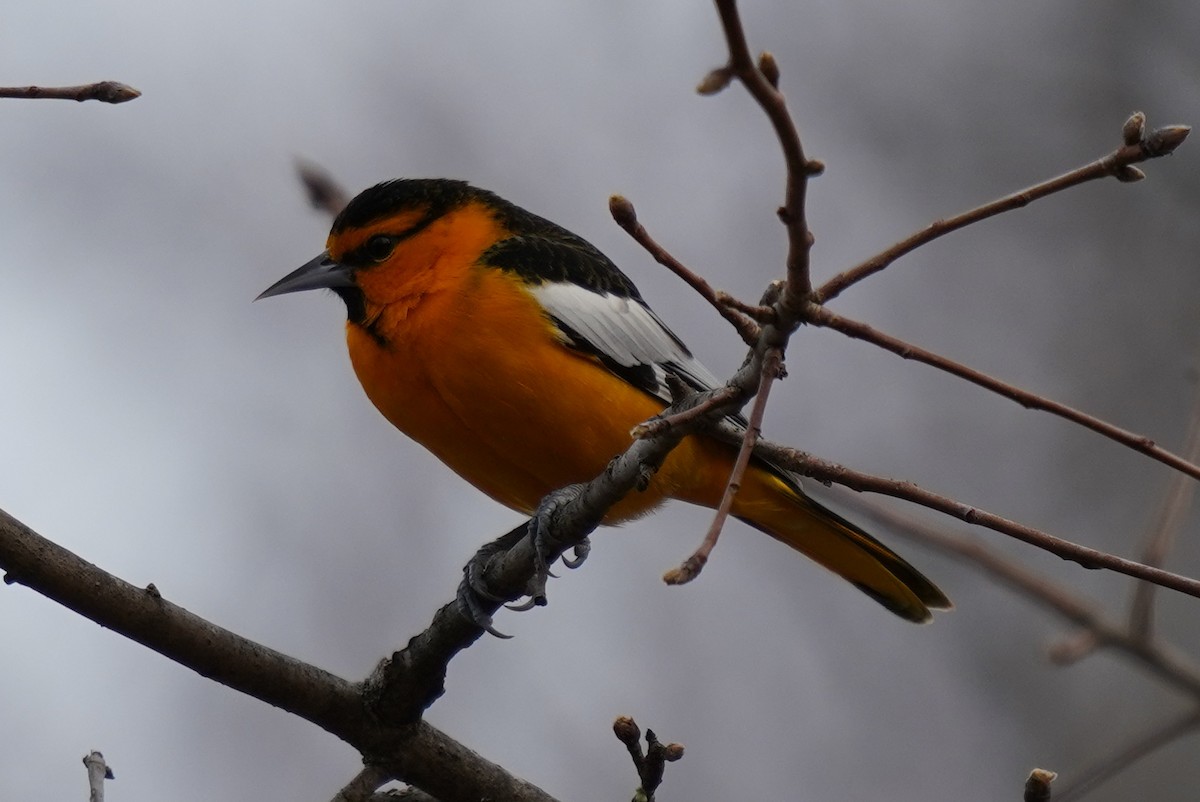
point(1161, 142)
point(825, 471)
point(1111, 765)
point(1162, 533)
point(104, 91)
point(772, 369)
point(416, 753)
point(626, 217)
point(1160, 659)
point(650, 764)
point(822, 316)
point(761, 81)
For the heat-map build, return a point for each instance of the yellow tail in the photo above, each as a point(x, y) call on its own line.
point(768, 502)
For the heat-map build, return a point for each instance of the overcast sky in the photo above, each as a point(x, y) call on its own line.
point(159, 424)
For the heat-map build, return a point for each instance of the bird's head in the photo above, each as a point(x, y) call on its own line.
point(385, 239)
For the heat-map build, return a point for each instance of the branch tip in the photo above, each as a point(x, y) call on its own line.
point(626, 730)
point(686, 571)
point(1037, 787)
point(622, 211)
point(1165, 140)
point(103, 91)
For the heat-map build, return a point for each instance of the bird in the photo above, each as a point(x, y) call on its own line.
point(521, 357)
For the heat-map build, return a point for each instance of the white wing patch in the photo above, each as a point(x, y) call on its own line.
point(624, 331)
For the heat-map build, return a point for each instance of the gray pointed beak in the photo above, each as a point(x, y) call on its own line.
point(320, 273)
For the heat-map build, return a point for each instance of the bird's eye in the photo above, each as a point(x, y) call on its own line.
point(379, 247)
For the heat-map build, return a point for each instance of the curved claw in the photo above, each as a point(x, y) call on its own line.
point(581, 551)
point(476, 601)
point(469, 606)
point(541, 534)
point(473, 577)
point(522, 607)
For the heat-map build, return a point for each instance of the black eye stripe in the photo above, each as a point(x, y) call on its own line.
point(365, 254)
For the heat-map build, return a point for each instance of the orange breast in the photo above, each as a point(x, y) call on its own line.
point(475, 374)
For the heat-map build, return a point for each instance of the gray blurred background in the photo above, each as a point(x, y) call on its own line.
point(158, 423)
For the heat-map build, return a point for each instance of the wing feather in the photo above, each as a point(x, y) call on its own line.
point(623, 331)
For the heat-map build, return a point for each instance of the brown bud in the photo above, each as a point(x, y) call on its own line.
point(672, 752)
point(1037, 787)
point(1128, 174)
point(715, 81)
point(1134, 128)
point(769, 67)
point(1162, 141)
point(622, 211)
point(626, 729)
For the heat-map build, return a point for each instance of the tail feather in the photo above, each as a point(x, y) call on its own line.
point(789, 516)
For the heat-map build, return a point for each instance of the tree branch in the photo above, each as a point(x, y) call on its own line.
point(822, 316)
point(825, 471)
point(625, 215)
point(1161, 142)
point(761, 81)
point(772, 369)
point(104, 91)
point(1167, 664)
point(1108, 767)
point(418, 754)
point(1163, 532)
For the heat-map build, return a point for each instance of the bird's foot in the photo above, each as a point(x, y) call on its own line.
point(476, 600)
point(546, 545)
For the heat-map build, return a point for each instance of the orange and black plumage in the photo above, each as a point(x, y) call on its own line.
point(521, 356)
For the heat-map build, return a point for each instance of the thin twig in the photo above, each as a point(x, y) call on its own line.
point(689, 569)
point(661, 423)
point(650, 765)
point(626, 216)
point(104, 91)
point(825, 471)
point(1099, 630)
point(1158, 143)
point(822, 316)
point(761, 81)
point(1158, 658)
point(1111, 765)
point(1162, 534)
point(757, 312)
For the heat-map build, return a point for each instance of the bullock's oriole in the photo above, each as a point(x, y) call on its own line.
point(521, 357)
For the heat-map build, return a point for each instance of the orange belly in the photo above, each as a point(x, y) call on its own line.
point(476, 375)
